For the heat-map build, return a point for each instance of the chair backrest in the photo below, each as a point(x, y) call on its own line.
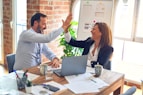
point(130, 91)
point(10, 61)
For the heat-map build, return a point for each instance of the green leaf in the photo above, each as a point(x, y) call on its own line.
point(28, 83)
point(70, 50)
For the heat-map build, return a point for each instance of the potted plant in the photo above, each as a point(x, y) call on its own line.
point(68, 49)
point(28, 86)
point(28, 83)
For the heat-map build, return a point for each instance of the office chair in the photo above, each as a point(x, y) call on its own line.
point(10, 61)
point(130, 91)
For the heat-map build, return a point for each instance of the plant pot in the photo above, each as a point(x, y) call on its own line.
point(28, 89)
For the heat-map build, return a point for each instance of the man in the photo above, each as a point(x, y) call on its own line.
point(32, 43)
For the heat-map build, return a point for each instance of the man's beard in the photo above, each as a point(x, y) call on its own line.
point(39, 30)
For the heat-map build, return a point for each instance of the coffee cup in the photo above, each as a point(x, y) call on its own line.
point(98, 70)
point(49, 73)
point(43, 68)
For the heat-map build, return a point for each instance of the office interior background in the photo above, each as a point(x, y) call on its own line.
point(127, 22)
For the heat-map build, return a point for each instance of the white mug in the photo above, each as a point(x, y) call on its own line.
point(43, 68)
point(98, 70)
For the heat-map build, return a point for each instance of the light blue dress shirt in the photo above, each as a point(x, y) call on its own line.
point(30, 47)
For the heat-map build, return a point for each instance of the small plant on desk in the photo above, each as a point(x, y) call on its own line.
point(28, 87)
point(28, 83)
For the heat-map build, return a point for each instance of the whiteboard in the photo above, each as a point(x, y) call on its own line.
point(92, 11)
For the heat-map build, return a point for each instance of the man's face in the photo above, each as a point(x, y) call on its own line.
point(42, 24)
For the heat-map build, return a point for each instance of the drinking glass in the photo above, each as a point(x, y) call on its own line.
point(98, 70)
point(49, 73)
point(43, 68)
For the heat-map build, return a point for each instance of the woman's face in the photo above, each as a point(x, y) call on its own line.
point(96, 34)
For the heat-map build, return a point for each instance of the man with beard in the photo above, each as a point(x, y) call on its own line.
point(32, 43)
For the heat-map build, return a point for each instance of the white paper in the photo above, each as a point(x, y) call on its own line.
point(12, 92)
point(83, 87)
point(90, 70)
point(8, 82)
point(32, 76)
point(99, 82)
point(80, 77)
point(84, 83)
point(39, 88)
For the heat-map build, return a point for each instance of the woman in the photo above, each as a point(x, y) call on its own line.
point(97, 47)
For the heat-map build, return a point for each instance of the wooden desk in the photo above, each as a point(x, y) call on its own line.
point(114, 79)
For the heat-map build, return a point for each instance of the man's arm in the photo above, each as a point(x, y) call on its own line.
point(31, 36)
point(50, 55)
point(48, 52)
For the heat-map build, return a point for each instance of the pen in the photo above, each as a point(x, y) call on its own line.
point(25, 73)
point(93, 80)
point(16, 74)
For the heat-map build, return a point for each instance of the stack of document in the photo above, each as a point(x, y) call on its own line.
point(38, 89)
point(84, 83)
point(8, 83)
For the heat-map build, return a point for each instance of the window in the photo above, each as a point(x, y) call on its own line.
point(1, 32)
point(19, 21)
point(128, 37)
point(128, 22)
point(139, 25)
point(123, 22)
point(76, 10)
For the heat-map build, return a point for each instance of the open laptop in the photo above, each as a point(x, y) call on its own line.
point(72, 66)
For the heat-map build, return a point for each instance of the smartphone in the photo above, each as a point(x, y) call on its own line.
point(51, 87)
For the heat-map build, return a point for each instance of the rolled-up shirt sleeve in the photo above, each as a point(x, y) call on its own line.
point(67, 37)
point(31, 36)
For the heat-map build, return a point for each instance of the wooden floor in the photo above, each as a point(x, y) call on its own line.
point(4, 71)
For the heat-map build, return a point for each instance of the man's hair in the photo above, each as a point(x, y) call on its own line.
point(36, 17)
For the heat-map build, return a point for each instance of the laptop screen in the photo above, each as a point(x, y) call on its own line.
point(73, 65)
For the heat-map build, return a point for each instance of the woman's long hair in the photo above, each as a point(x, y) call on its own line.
point(106, 38)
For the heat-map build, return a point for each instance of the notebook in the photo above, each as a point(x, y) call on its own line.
point(72, 66)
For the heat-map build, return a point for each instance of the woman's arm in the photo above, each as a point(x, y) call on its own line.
point(75, 43)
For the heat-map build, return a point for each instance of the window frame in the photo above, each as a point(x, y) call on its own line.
point(16, 24)
point(132, 32)
point(1, 32)
point(137, 39)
